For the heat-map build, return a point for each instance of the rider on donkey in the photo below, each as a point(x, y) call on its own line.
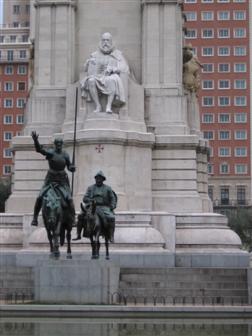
point(58, 159)
point(105, 199)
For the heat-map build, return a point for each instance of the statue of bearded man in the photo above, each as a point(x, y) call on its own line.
point(104, 68)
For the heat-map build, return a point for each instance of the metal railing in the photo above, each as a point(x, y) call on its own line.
point(16, 296)
point(121, 299)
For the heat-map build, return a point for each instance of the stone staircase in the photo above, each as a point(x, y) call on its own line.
point(207, 286)
point(16, 283)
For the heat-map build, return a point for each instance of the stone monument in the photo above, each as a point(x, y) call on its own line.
point(136, 120)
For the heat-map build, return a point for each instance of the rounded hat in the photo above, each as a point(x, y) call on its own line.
point(100, 173)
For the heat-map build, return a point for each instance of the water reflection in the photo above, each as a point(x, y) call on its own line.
point(109, 327)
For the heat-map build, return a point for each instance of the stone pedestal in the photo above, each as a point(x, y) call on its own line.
point(73, 282)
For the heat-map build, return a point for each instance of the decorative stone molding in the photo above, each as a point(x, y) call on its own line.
point(40, 3)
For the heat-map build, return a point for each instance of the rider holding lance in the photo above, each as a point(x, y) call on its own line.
point(58, 160)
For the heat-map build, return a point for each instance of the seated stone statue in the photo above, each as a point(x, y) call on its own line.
point(104, 69)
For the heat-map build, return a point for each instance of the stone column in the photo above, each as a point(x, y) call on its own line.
point(162, 66)
point(178, 171)
point(54, 66)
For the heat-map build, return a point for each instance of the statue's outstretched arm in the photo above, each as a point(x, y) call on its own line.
point(39, 148)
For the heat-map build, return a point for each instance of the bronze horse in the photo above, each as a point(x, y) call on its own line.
point(94, 228)
point(58, 221)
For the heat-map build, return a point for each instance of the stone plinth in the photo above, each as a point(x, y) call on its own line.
point(86, 282)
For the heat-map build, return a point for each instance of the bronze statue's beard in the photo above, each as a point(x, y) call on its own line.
point(106, 49)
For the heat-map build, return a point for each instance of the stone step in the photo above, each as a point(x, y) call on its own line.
point(187, 285)
point(185, 270)
point(177, 292)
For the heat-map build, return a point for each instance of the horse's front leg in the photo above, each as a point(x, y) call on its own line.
point(56, 245)
point(93, 246)
point(107, 248)
point(69, 252)
point(50, 238)
point(97, 245)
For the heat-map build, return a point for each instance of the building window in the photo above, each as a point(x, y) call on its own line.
point(224, 118)
point(224, 151)
point(21, 86)
point(10, 55)
point(207, 33)
point(15, 24)
point(191, 16)
point(22, 70)
point(223, 1)
point(8, 86)
point(239, 15)
point(208, 135)
point(208, 118)
point(224, 195)
point(6, 169)
point(207, 84)
point(210, 168)
point(7, 153)
point(223, 15)
point(8, 119)
point(240, 84)
point(239, 32)
point(207, 51)
point(240, 118)
point(223, 33)
point(25, 38)
point(27, 9)
point(13, 38)
point(224, 135)
point(241, 135)
point(240, 51)
point(207, 16)
point(208, 101)
point(191, 33)
point(224, 101)
point(241, 195)
point(22, 53)
point(240, 101)
point(223, 51)
point(207, 1)
point(7, 136)
point(241, 168)
point(20, 119)
point(241, 151)
point(240, 67)
point(1, 38)
point(208, 67)
point(223, 67)
point(16, 9)
point(8, 102)
point(210, 192)
point(223, 84)
point(20, 102)
point(8, 70)
point(224, 168)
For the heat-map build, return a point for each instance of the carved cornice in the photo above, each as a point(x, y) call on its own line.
point(54, 3)
point(158, 2)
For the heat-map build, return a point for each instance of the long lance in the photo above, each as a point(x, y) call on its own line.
point(74, 139)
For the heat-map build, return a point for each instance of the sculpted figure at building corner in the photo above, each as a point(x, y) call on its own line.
point(104, 69)
point(191, 70)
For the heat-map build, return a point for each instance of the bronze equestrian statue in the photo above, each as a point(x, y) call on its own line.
point(97, 217)
point(56, 187)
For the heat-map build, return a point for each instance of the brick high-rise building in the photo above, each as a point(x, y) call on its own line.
point(14, 76)
point(219, 33)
